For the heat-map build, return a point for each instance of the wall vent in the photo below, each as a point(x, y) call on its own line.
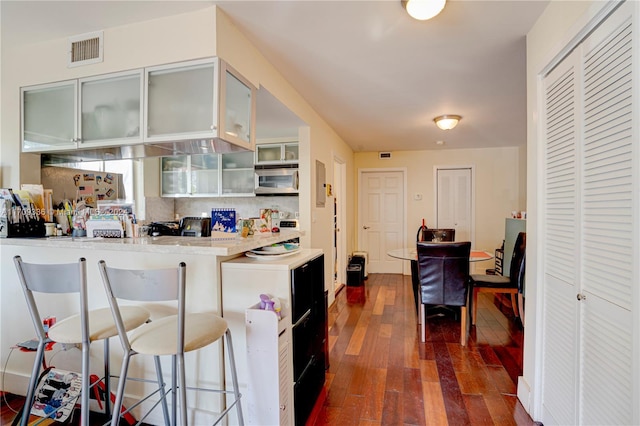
point(85, 49)
point(384, 155)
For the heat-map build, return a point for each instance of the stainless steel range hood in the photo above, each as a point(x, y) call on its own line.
point(183, 147)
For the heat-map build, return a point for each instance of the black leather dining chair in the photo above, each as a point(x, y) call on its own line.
point(428, 235)
point(436, 234)
point(513, 284)
point(443, 271)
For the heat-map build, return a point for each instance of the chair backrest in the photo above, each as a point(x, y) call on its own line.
point(442, 234)
point(516, 270)
point(144, 285)
point(53, 278)
point(443, 270)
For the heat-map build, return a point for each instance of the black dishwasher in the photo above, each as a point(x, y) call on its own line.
point(309, 335)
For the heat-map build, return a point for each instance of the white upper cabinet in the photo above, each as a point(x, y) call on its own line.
point(277, 153)
point(208, 175)
point(192, 100)
point(111, 109)
point(96, 111)
point(199, 100)
point(49, 116)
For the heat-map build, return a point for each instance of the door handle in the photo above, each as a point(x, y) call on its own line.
point(366, 227)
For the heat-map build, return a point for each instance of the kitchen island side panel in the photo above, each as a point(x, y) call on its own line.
point(203, 295)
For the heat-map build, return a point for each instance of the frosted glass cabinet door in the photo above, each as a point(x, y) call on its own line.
point(269, 153)
point(238, 174)
point(204, 174)
point(175, 175)
point(238, 104)
point(111, 108)
point(49, 117)
point(290, 152)
point(180, 101)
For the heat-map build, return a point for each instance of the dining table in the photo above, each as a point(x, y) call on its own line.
point(411, 253)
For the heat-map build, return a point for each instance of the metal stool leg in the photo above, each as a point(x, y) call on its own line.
point(33, 382)
point(165, 408)
point(234, 377)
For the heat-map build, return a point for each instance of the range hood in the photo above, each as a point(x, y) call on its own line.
point(126, 152)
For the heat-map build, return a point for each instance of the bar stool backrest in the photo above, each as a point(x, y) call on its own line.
point(144, 285)
point(53, 278)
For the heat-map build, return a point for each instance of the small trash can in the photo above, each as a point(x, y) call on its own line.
point(359, 260)
point(354, 275)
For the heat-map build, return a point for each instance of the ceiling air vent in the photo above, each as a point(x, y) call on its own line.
point(384, 155)
point(85, 49)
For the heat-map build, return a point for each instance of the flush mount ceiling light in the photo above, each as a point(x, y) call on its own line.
point(447, 122)
point(423, 9)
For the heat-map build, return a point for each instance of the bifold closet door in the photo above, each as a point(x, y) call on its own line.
point(560, 244)
point(590, 236)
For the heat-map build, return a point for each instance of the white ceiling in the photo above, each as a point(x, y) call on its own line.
point(377, 76)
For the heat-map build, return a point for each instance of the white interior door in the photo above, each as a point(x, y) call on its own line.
point(454, 201)
point(381, 218)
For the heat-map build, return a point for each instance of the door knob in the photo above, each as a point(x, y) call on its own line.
point(366, 227)
point(580, 296)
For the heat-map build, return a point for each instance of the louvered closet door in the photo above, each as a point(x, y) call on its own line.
point(608, 235)
point(590, 230)
point(560, 244)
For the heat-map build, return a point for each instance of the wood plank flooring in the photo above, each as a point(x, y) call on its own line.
point(381, 374)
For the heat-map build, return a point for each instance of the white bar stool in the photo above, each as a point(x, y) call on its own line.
point(172, 335)
point(83, 328)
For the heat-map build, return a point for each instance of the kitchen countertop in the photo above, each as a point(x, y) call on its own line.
point(162, 244)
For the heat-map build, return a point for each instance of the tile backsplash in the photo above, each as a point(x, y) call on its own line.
point(165, 209)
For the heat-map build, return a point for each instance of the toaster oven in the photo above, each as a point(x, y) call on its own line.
point(195, 227)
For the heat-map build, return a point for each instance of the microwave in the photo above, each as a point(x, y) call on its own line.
point(278, 180)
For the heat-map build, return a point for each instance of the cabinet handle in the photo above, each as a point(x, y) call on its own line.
point(581, 297)
point(283, 407)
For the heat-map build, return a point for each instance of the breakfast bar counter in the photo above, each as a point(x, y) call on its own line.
point(161, 244)
point(203, 257)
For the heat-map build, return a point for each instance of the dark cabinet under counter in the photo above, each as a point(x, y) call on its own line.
point(309, 324)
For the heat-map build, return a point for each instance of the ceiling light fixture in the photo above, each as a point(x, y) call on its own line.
point(447, 122)
point(423, 9)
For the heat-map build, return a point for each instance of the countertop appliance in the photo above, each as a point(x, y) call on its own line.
point(287, 224)
point(195, 227)
point(164, 228)
point(276, 180)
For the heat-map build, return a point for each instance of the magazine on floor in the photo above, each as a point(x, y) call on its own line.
point(56, 394)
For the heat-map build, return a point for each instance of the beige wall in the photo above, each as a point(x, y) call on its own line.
point(500, 176)
point(317, 141)
point(148, 43)
point(556, 27)
point(199, 34)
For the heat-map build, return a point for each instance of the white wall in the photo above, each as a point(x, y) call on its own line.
point(560, 22)
point(500, 176)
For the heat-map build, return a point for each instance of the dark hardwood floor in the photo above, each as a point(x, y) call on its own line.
point(381, 374)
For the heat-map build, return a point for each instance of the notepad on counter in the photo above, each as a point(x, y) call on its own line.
point(223, 224)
